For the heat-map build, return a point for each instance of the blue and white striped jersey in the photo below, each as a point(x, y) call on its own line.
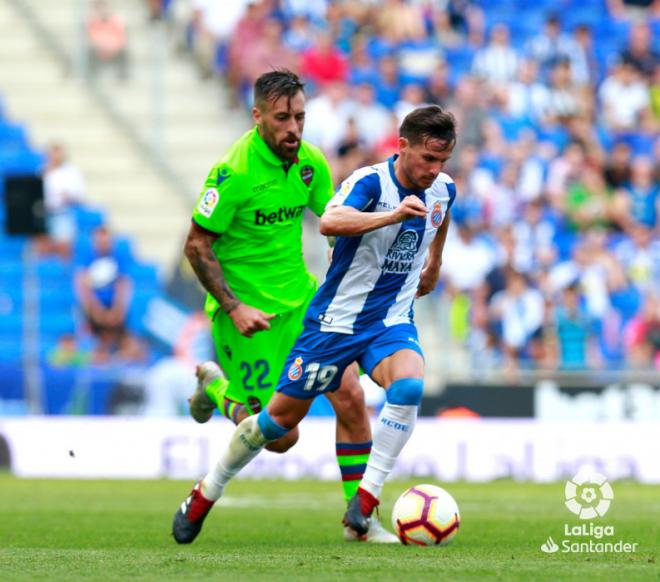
point(373, 278)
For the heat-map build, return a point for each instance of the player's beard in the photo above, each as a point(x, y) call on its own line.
point(281, 149)
point(288, 148)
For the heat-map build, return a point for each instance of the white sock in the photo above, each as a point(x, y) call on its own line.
point(245, 444)
point(393, 429)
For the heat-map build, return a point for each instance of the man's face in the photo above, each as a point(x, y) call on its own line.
point(422, 162)
point(281, 123)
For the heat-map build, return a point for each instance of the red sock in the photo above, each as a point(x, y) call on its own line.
point(367, 501)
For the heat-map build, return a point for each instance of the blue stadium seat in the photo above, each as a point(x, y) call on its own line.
point(88, 219)
point(12, 385)
point(59, 387)
point(13, 134)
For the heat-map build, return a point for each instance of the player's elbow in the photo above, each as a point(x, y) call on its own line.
point(327, 227)
point(193, 248)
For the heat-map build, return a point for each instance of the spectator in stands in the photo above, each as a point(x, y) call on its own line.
point(107, 39)
point(324, 63)
point(518, 311)
point(588, 202)
point(327, 117)
point(654, 93)
point(469, 258)
point(388, 87)
point(399, 20)
point(527, 98)
point(445, 34)
point(534, 251)
point(617, 166)
point(639, 50)
point(438, 88)
point(498, 62)
point(564, 171)
point(572, 330)
point(418, 57)
point(267, 53)
point(564, 99)
point(639, 201)
point(623, 95)
point(469, 108)
point(412, 97)
point(104, 292)
point(550, 45)
point(642, 336)
point(370, 117)
point(64, 191)
point(639, 257)
point(584, 65)
point(300, 35)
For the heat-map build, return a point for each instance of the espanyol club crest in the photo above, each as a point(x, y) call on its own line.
point(436, 215)
point(295, 370)
point(306, 174)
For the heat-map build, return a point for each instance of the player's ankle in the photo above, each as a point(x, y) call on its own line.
point(367, 501)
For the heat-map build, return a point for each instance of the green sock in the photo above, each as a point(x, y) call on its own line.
point(216, 389)
point(352, 459)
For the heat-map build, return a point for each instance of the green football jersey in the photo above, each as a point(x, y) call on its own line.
point(256, 206)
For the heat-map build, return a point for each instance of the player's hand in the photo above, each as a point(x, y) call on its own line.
point(428, 280)
point(410, 207)
point(249, 320)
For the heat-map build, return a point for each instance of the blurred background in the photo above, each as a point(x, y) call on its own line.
point(113, 111)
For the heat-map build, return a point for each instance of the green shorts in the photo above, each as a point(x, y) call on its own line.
point(253, 365)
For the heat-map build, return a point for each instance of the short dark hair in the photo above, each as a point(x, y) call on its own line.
point(430, 122)
point(276, 84)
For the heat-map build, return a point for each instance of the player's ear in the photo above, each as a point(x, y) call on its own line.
point(403, 144)
point(256, 115)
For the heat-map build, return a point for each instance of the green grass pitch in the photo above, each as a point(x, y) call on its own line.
point(277, 530)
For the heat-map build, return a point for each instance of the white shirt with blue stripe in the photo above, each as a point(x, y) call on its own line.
point(373, 278)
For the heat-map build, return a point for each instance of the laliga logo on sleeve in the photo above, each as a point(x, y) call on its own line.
point(588, 494)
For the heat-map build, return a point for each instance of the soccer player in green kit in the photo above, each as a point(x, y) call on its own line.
point(245, 246)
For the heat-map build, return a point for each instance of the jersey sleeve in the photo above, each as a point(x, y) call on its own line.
point(360, 191)
point(218, 200)
point(321, 191)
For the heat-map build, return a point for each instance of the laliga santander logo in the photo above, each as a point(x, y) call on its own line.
point(588, 494)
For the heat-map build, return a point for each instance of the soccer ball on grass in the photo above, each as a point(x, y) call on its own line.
point(425, 515)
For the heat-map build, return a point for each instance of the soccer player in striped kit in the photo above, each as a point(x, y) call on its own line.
point(391, 221)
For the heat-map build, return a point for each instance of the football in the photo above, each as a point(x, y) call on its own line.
point(425, 515)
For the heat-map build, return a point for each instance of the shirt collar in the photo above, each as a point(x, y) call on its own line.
point(265, 152)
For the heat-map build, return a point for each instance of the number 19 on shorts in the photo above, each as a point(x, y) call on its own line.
point(319, 377)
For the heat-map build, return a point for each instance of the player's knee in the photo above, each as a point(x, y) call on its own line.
point(282, 445)
point(405, 392)
point(349, 406)
point(271, 429)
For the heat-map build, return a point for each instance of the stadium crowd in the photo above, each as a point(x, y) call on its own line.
point(553, 260)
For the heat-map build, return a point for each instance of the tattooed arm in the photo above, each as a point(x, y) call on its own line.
point(199, 252)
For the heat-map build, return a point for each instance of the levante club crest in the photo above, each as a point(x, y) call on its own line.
point(306, 174)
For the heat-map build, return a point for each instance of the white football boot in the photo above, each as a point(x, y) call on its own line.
point(377, 534)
